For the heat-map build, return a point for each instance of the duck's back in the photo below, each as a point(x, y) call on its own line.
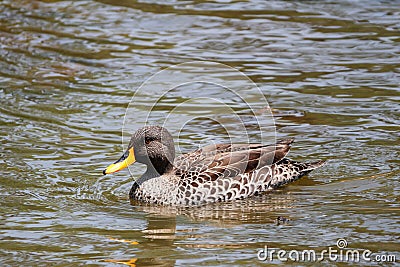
point(197, 191)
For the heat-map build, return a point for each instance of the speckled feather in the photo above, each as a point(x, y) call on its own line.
point(216, 173)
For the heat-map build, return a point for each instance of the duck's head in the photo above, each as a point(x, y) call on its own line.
point(150, 145)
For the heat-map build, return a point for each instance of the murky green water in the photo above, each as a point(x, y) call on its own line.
point(68, 70)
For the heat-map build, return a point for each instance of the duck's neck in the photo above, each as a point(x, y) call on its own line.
point(160, 165)
point(158, 168)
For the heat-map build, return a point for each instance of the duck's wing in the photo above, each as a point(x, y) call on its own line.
point(229, 160)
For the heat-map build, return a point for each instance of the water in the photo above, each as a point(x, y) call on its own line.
point(68, 70)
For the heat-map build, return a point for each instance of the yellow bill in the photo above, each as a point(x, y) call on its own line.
point(127, 159)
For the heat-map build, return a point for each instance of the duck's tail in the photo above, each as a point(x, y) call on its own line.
point(287, 171)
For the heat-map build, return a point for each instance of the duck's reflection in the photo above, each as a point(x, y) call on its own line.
point(159, 246)
point(263, 209)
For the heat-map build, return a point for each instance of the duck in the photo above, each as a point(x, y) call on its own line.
point(209, 174)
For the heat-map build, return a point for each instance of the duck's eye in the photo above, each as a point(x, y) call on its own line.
point(148, 140)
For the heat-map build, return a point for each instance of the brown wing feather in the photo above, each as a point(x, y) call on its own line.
point(225, 160)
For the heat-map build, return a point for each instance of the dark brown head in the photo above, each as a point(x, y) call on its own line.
point(150, 145)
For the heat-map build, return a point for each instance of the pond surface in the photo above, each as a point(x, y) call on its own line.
point(329, 70)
